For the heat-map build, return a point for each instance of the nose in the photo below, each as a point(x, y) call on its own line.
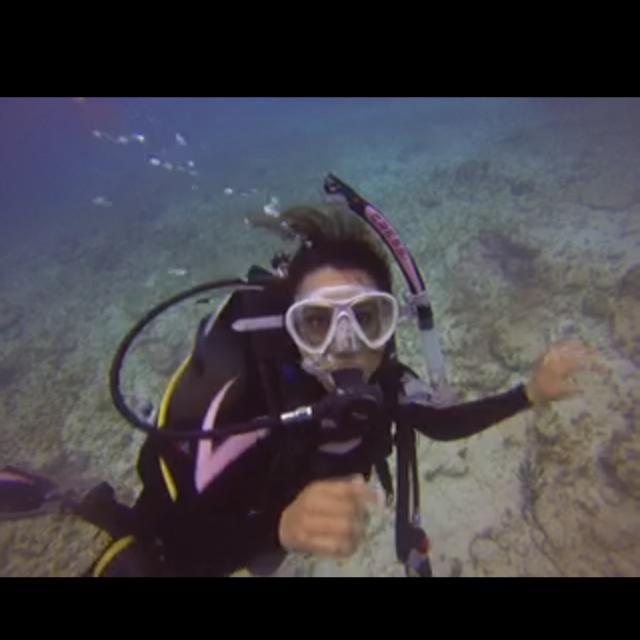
point(345, 340)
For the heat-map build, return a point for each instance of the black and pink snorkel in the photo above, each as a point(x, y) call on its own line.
point(442, 392)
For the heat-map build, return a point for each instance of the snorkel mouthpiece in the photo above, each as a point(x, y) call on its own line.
point(347, 378)
point(354, 407)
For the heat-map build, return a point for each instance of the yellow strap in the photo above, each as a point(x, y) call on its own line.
point(162, 419)
point(170, 483)
point(111, 552)
point(168, 394)
point(241, 573)
point(168, 480)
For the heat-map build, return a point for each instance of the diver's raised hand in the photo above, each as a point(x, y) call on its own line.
point(328, 517)
point(552, 377)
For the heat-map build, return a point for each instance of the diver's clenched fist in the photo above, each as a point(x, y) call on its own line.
point(328, 517)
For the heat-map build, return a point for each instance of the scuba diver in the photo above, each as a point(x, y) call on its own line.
point(292, 397)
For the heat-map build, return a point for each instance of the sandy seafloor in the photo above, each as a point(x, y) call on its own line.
point(526, 223)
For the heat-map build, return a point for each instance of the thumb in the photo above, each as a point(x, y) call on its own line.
point(357, 479)
point(366, 492)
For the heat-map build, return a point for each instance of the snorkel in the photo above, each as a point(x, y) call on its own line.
point(417, 298)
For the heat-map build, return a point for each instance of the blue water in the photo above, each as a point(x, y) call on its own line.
point(51, 166)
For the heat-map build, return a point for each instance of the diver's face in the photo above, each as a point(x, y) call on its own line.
point(365, 359)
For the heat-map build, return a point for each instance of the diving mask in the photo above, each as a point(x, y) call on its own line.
point(346, 315)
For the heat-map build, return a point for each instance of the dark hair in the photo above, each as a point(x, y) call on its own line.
point(330, 236)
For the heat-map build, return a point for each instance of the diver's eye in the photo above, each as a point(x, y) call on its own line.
point(366, 314)
point(364, 318)
point(316, 322)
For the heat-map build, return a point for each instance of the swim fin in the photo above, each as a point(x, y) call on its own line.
point(24, 494)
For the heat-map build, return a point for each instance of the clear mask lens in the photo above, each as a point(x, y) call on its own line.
point(368, 317)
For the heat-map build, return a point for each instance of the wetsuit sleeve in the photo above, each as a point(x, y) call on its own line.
point(464, 420)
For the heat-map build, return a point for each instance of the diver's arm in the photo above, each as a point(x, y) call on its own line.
point(464, 420)
point(550, 380)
